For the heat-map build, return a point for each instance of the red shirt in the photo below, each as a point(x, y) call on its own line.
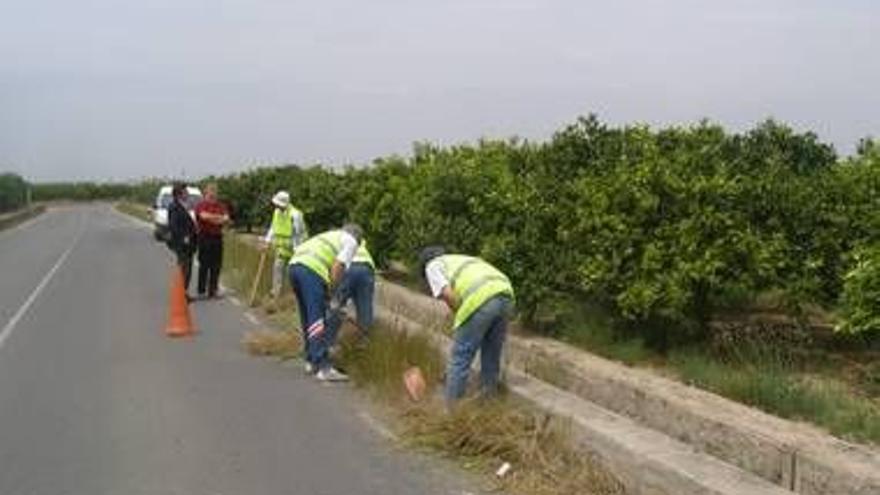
point(210, 206)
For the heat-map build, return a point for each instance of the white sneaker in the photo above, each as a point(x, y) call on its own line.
point(331, 375)
point(309, 368)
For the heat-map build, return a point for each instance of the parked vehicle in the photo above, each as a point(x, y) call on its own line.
point(160, 209)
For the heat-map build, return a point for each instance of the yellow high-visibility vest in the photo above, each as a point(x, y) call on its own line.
point(282, 230)
point(364, 256)
point(473, 281)
point(318, 253)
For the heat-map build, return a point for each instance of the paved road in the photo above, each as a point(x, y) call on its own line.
point(95, 400)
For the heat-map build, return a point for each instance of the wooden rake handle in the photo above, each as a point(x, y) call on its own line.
point(259, 275)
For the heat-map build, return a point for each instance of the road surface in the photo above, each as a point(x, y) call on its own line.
point(95, 400)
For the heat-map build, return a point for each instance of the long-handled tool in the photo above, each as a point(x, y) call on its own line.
point(256, 284)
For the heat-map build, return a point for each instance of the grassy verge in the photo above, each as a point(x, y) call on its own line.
point(137, 210)
point(481, 435)
point(786, 392)
point(841, 397)
point(9, 220)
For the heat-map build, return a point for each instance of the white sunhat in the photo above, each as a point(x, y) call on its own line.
point(281, 199)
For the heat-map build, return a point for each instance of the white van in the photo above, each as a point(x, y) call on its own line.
point(160, 209)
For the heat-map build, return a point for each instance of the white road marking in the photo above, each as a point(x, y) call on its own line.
point(10, 326)
point(378, 427)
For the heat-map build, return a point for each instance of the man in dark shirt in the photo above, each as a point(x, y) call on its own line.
point(183, 231)
point(211, 216)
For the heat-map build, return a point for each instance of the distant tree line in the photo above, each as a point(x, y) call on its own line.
point(141, 191)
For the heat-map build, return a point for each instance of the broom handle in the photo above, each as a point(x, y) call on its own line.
point(257, 278)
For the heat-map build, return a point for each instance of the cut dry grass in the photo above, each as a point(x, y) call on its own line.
point(283, 345)
point(485, 434)
point(537, 446)
point(379, 362)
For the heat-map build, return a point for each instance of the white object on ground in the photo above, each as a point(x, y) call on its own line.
point(503, 470)
point(331, 375)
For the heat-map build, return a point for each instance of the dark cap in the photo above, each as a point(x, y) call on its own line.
point(427, 254)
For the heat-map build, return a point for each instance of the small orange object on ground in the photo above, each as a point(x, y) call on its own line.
point(414, 381)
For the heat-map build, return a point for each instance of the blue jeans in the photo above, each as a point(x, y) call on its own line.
point(358, 284)
point(485, 331)
point(310, 291)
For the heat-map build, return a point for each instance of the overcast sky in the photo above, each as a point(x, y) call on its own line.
point(126, 89)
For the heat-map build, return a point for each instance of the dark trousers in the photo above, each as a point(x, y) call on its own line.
point(358, 284)
point(185, 262)
point(310, 291)
point(210, 261)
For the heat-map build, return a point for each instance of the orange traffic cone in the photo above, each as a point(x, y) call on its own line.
point(179, 321)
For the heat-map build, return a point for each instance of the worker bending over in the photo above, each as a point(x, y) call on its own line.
point(288, 230)
point(358, 284)
point(316, 269)
point(482, 299)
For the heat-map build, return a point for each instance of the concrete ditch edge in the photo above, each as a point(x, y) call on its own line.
point(795, 456)
point(647, 462)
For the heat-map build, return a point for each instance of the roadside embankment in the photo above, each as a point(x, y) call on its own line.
point(792, 455)
point(536, 445)
point(655, 434)
point(586, 438)
point(8, 220)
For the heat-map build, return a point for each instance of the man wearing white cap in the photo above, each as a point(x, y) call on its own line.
point(288, 230)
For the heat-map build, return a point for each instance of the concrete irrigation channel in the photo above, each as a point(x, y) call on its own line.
point(658, 435)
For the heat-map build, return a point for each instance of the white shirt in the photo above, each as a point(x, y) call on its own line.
point(435, 272)
point(348, 250)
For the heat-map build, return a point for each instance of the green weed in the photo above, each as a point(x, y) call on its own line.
point(772, 387)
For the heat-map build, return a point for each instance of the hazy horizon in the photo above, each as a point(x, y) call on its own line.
point(100, 90)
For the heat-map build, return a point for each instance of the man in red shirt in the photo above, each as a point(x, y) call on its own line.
point(211, 216)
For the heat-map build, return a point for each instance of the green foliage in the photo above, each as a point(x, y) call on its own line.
point(658, 228)
point(768, 383)
point(80, 191)
point(861, 293)
point(13, 192)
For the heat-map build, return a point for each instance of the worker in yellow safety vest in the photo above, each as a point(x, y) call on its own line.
point(358, 285)
point(482, 298)
point(316, 269)
point(287, 231)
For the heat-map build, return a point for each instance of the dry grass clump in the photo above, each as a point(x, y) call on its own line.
point(272, 305)
point(379, 362)
point(486, 433)
point(284, 345)
point(538, 447)
point(241, 260)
